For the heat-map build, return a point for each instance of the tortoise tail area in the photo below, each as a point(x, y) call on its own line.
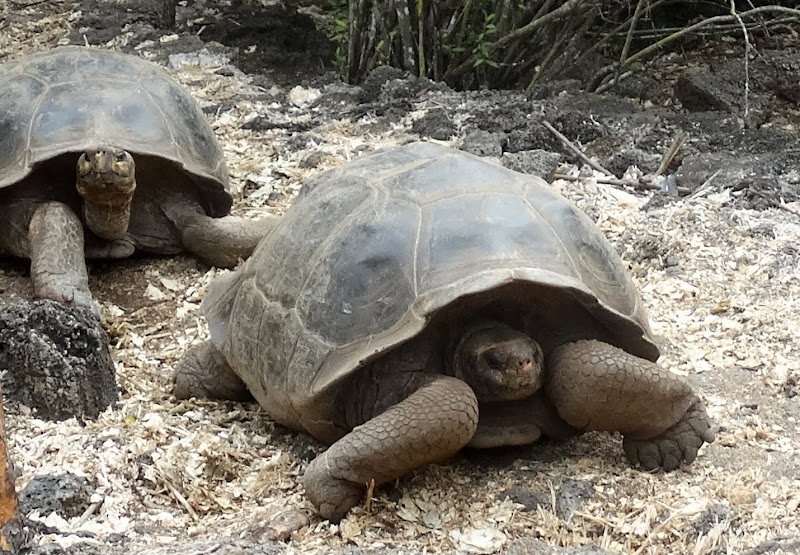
point(218, 303)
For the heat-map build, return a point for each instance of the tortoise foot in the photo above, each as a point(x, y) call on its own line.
point(678, 444)
point(68, 294)
point(332, 496)
point(203, 372)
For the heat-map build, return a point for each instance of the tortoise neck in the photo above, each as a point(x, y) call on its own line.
point(108, 221)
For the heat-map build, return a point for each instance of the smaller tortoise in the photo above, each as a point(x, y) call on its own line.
point(107, 141)
point(420, 300)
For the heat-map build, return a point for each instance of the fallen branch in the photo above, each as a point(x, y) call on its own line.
point(677, 143)
point(642, 185)
point(775, 203)
point(576, 150)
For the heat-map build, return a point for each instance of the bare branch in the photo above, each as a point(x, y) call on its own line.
point(576, 150)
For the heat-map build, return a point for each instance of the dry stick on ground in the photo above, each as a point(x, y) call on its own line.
point(641, 185)
point(677, 143)
point(576, 150)
point(612, 180)
point(776, 204)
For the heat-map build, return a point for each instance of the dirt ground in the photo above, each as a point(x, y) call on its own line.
point(719, 272)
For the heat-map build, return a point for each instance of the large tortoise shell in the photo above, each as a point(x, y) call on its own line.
point(71, 99)
point(381, 246)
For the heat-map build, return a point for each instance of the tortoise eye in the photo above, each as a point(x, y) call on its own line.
point(121, 157)
point(492, 359)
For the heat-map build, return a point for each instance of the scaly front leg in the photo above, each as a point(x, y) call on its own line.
point(429, 425)
point(58, 266)
point(596, 386)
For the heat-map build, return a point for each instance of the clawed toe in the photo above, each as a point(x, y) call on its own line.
point(676, 445)
point(332, 496)
point(70, 296)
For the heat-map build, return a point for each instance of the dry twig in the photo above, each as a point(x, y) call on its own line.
point(576, 150)
point(641, 185)
point(677, 143)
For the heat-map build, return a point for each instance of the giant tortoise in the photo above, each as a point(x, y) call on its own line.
point(420, 300)
point(107, 141)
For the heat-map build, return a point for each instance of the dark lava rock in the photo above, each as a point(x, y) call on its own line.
point(724, 170)
point(483, 143)
point(99, 21)
point(529, 499)
point(638, 85)
point(779, 70)
point(67, 495)
point(571, 495)
point(305, 448)
point(302, 141)
point(714, 515)
point(377, 78)
point(338, 96)
point(385, 92)
point(56, 360)
point(617, 152)
point(762, 193)
point(699, 91)
point(435, 124)
point(554, 87)
point(534, 162)
point(720, 88)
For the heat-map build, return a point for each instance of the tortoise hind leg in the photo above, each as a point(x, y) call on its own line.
point(204, 372)
point(58, 265)
point(430, 424)
point(220, 242)
point(596, 386)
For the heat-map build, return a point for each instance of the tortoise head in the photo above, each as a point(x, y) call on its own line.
point(499, 363)
point(106, 182)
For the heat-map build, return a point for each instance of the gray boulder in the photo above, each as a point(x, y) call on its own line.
point(55, 360)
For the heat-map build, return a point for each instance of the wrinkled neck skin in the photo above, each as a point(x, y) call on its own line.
point(108, 221)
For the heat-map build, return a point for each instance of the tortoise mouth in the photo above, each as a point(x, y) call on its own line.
point(105, 171)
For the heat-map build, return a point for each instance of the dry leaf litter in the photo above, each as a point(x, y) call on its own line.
point(722, 291)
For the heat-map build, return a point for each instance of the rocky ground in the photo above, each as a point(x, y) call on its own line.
point(718, 270)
